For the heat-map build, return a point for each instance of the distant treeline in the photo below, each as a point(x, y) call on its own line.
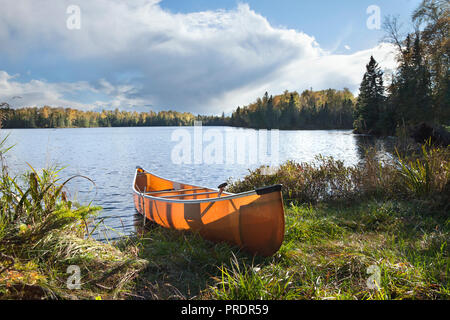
point(327, 109)
point(47, 117)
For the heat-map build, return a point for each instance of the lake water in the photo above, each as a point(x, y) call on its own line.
point(109, 157)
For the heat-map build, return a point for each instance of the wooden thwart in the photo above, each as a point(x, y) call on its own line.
point(190, 194)
point(174, 190)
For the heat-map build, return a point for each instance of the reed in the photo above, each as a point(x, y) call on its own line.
point(425, 175)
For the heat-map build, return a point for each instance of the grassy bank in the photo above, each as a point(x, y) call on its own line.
point(42, 234)
point(379, 230)
point(376, 231)
point(328, 253)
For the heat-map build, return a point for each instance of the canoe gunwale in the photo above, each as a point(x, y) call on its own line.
point(195, 201)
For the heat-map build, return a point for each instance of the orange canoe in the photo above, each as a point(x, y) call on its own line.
point(252, 220)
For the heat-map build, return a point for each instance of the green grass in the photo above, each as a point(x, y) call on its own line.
point(327, 252)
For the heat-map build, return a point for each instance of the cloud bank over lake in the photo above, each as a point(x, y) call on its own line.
point(136, 54)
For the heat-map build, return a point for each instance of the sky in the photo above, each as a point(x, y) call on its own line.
point(198, 56)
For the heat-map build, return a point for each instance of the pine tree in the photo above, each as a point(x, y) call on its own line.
point(270, 114)
point(292, 112)
point(370, 101)
point(411, 96)
point(422, 85)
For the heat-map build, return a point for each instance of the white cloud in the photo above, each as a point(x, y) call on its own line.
point(39, 93)
point(136, 53)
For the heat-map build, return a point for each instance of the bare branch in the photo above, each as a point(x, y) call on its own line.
point(392, 28)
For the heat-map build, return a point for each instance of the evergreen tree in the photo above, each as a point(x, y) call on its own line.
point(270, 114)
point(370, 101)
point(291, 112)
point(410, 91)
point(432, 17)
point(422, 84)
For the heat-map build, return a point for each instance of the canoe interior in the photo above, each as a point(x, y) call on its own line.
point(254, 222)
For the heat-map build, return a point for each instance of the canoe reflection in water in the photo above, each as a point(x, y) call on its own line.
point(252, 220)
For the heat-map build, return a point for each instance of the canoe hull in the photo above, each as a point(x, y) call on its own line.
point(254, 222)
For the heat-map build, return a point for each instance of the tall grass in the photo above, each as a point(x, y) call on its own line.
point(428, 173)
point(328, 180)
point(42, 232)
point(248, 282)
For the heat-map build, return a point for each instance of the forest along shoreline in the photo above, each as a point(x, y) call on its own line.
point(320, 110)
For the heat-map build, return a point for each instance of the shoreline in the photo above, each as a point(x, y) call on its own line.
point(336, 240)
